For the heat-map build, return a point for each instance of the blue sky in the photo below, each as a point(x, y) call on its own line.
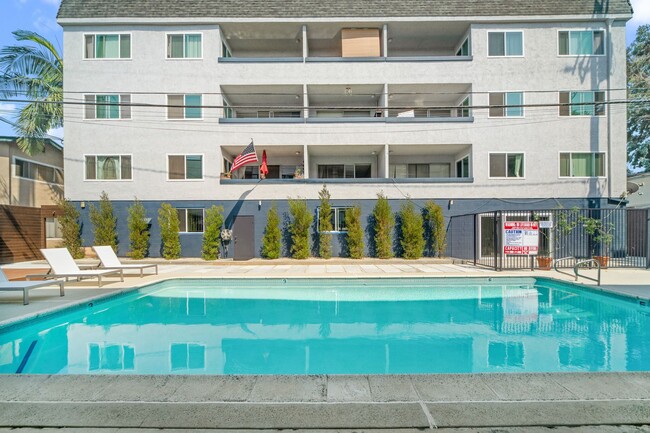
point(40, 16)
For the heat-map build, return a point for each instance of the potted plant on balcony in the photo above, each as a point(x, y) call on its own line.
point(298, 174)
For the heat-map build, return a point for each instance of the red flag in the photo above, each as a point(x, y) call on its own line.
point(247, 156)
point(264, 170)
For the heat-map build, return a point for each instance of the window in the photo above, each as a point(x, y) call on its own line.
point(462, 167)
point(581, 43)
point(184, 107)
point(228, 112)
point(463, 50)
point(107, 46)
point(337, 219)
point(53, 228)
point(187, 356)
point(107, 106)
point(34, 171)
point(184, 167)
point(502, 44)
point(464, 110)
point(507, 165)
point(184, 46)
point(587, 164)
point(190, 220)
point(111, 357)
point(226, 165)
point(415, 171)
point(506, 104)
point(225, 51)
point(582, 103)
point(344, 171)
point(108, 167)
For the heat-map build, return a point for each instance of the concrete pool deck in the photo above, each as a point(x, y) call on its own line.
point(319, 403)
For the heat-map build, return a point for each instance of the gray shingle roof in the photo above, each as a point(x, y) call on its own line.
point(333, 8)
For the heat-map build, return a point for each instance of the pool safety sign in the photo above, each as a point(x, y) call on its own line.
point(520, 237)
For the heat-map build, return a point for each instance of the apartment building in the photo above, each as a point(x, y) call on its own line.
point(477, 105)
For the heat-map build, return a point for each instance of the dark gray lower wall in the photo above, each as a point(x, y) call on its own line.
point(191, 242)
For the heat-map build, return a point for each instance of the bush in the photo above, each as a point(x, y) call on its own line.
point(384, 222)
point(212, 233)
point(138, 231)
point(435, 228)
point(104, 222)
point(169, 227)
point(412, 240)
point(355, 232)
point(299, 228)
point(324, 224)
point(271, 240)
point(70, 229)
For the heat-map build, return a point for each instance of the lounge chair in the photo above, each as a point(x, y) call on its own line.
point(109, 260)
point(25, 286)
point(64, 266)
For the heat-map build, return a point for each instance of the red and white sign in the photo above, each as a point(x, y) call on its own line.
point(520, 237)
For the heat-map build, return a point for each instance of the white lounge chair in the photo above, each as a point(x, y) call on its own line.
point(64, 266)
point(25, 286)
point(109, 260)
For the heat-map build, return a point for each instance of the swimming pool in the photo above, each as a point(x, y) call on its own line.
point(337, 326)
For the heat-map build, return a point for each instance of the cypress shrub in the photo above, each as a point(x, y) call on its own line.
point(138, 231)
point(169, 227)
point(70, 229)
point(212, 233)
point(271, 240)
point(435, 222)
point(412, 232)
point(325, 224)
point(299, 228)
point(384, 223)
point(355, 232)
point(104, 222)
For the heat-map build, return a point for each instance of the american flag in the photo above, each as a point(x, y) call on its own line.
point(247, 156)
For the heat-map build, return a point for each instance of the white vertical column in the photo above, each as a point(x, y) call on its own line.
point(385, 100)
point(305, 159)
point(305, 46)
point(305, 101)
point(386, 162)
point(384, 40)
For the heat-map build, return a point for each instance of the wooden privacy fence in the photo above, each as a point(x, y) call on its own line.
point(22, 232)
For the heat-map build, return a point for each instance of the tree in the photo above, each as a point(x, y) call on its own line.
point(638, 114)
point(212, 233)
point(138, 230)
point(104, 222)
point(271, 241)
point(33, 72)
point(299, 228)
point(384, 223)
point(169, 227)
point(324, 224)
point(355, 232)
point(412, 231)
point(435, 229)
point(70, 229)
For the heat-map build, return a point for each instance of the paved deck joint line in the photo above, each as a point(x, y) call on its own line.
point(425, 409)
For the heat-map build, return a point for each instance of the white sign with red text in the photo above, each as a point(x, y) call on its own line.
point(520, 237)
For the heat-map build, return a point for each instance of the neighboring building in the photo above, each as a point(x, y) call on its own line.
point(477, 105)
point(639, 198)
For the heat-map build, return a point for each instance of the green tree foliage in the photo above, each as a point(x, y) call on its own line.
point(412, 231)
point(169, 227)
point(301, 220)
point(33, 71)
point(271, 242)
point(638, 114)
point(70, 229)
point(384, 224)
point(212, 233)
point(435, 229)
point(104, 222)
point(355, 232)
point(138, 231)
point(324, 224)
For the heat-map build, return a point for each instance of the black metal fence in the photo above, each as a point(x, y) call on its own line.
point(618, 238)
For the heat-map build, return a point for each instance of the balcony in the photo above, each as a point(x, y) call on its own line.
point(262, 104)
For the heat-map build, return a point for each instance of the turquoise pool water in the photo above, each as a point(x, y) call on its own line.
point(367, 326)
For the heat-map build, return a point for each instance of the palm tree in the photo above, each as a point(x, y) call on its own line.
point(34, 73)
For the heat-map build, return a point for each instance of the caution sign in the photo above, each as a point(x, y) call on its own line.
point(520, 237)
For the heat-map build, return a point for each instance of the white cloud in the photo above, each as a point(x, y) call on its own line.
point(57, 132)
point(7, 110)
point(43, 24)
point(52, 2)
point(641, 12)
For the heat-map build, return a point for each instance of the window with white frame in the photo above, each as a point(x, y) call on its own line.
point(463, 50)
point(107, 46)
point(582, 164)
point(581, 43)
point(462, 167)
point(35, 171)
point(463, 109)
point(107, 106)
point(190, 220)
point(589, 103)
point(507, 165)
point(337, 219)
point(187, 356)
point(108, 167)
point(505, 44)
point(184, 107)
point(225, 51)
point(111, 357)
point(184, 167)
point(184, 46)
point(506, 104)
point(344, 171)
